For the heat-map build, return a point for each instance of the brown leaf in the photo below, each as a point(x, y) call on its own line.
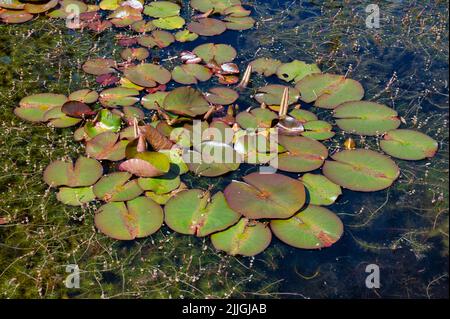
point(155, 138)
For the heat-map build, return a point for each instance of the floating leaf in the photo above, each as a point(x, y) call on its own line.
point(119, 97)
point(256, 118)
point(169, 23)
point(107, 146)
point(216, 53)
point(366, 118)
point(143, 26)
point(162, 9)
point(303, 116)
point(255, 148)
point(151, 101)
point(106, 122)
point(77, 109)
point(272, 94)
point(33, 108)
point(361, 170)
point(191, 74)
point(207, 27)
point(321, 190)
point(221, 96)
point(131, 54)
point(313, 228)
point(117, 187)
point(186, 101)
point(147, 75)
point(236, 11)
point(58, 119)
point(84, 96)
point(247, 238)
point(138, 218)
point(157, 140)
point(19, 16)
point(147, 164)
point(218, 6)
point(110, 5)
point(158, 38)
point(125, 16)
point(185, 36)
point(266, 196)
point(75, 196)
point(195, 212)
point(296, 71)
point(409, 145)
point(318, 130)
point(160, 185)
point(302, 154)
point(265, 66)
point(239, 23)
point(99, 66)
point(85, 172)
point(40, 8)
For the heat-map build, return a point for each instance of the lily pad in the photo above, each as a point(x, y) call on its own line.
point(266, 196)
point(409, 145)
point(237, 11)
point(239, 23)
point(256, 118)
point(221, 96)
point(272, 94)
point(185, 36)
point(247, 238)
point(296, 71)
point(131, 54)
point(143, 26)
point(195, 212)
point(207, 27)
point(318, 130)
point(191, 73)
point(186, 101)
point(158, 38)
point(84, 96)
point(125, 16)
point(366, 118)
point(107, 146)
point(265, 66)
point(77, 109)
point(33, 108)
point(169, 23)
point(117, 187)
point(75, 196)
point(216, 53)
point(99, 66)
point(321, 190)
point(218, 6)
point(17, 16)
point(147, 164)
point(313, 228)
point(151, 101)
point(58, 119)
point(137, 218)
point(85, 172)
point(361, 170)
point(303, 116)
point(147, 75)
point(303, 154)
point(162, 9)
point(40, 8)
point(160, 185)
point(106, 121)
point(119, 96)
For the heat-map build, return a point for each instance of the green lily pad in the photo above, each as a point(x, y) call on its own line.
point(131, 54)
point(138, 218)
point(361, 170)
point(169, 23)
point(321, 190)
point(303, 116)
point(266, 196)
point(160, 185)
point(84, 96)
point(239, 23)
point(75, 196)
point(162, 9)
point(409, 145)
point(191, 73)
point(107, 146)
point(33, 108)
point(218, 6)
point(147, 164)
point(255, 148)
point(318, 130)
point(186, 36)
point(59, 119)
point(151, 100)
point(147, 75)
point(256, 118)
point(158, 38)
point(303, 154)
point(143, 26)
point(207, 27)
point(313, 228)
point(85, 172)
point(272, 94)
point(99, 66)
point(265, 66)
point(246, 238)
point(117, 187)
point(366, 118)
point(131, 113)
point(186, 101)
point(296, 71)
point(195, 212)
point(221, 96)
point(119, 96)
point(215, 53)
point(237, 11)
point(106, 121)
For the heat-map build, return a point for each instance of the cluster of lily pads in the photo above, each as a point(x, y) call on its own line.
point(139, 131)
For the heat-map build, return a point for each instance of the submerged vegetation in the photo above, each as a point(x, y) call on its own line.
point(42, 236)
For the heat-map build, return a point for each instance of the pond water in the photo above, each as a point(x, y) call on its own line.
point(403, 229)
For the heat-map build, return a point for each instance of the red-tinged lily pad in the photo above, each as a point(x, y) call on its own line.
point(318, 130)
point(196, 212)
point(18, 16)
point(119, 96)
point(147, 75)
point(191, 73)
point(107, 79)
point(207, 27)
point(162, 9)
point(221, 96)
point(246, 238)
point(117, 187)
point(12, 4)
point(218, 6)
point(84, 96)
point(296, 71)
point(256, 118)
point(58, 119)
point(158, 38)
point(85, 172)
point(320, 189)
point(77, 109)
point(313, 228)
point(265, 66)
point(366, 118)
point(272, 95)
point(75, 196)
point(125, 16)
point(266, 196)
point(138, 218)
point(151, 101)
point(138, 54)
point(107, 146)
point(409, 145)
point(99, 66)
point(147, 164)
point(361, 170)
point(33, 108)
point(302, 154)
point(215, 53)
point(186, 101)
point(239, 23)
point(40, 8)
